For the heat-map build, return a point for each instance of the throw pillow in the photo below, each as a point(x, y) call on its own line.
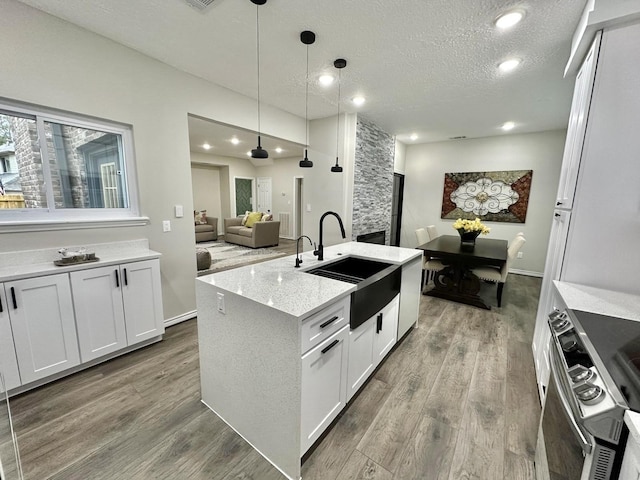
point(244, 219)
point(253, 218)
point(200, 217)
point(267, 217)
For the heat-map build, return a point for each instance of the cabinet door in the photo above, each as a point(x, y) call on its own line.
point(142, 296)
point(8, 360)
point(97, 299)
point(386, 331)
point(324, 395)
point(361, 355)
point(43, 324)
point(577, 126)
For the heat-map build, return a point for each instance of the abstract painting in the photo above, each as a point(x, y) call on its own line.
point(491, 196)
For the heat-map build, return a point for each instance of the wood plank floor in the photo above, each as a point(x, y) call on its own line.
point(455, 400)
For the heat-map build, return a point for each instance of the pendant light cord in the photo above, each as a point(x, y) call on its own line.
point(258, 56)
point(338, 123)
point(306, 103)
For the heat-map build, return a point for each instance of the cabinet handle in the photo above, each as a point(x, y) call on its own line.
point(13, 297)
point(330, 346)
point(379, 323)
point(126, 282)
point(117, 279)
point(557, 214)
point(329, 322)
point(558, 203)
point(1, 309)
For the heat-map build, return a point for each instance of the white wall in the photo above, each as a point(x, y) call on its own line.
point(400, 157)
point(49, 62)
point(426, 165)
point(206, 191)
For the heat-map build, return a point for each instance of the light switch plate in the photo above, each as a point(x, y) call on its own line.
point(308, 207)
point(179, 211)
point(166, 226)
point(221, 303)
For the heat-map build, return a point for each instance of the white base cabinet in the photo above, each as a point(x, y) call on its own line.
point(116, 307)
point(324, 386)
point(369, 344)
point(8, 361)
point(43, 326)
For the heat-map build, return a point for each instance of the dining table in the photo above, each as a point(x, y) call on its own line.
point(456, 281)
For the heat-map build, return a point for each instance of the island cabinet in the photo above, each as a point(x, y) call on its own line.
point(116, 306)
point(369, 343)
point(8, 361)
point(40, 311)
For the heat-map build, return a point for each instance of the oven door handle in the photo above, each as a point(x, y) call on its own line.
point(584, 443)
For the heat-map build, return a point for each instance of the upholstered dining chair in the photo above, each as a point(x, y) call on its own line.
point(499, 275)
point(429, 265)
point(432, 231)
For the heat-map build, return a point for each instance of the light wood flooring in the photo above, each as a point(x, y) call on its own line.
point(455, 400)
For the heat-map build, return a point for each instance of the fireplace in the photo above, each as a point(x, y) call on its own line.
point(375, 237)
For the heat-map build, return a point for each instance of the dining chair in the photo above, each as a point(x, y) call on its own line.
point(499, 275)
point(432, 231)
point(429, 265)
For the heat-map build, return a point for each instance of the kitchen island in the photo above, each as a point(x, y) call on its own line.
point(278, 359)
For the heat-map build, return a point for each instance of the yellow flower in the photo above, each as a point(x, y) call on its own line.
point(471, 226)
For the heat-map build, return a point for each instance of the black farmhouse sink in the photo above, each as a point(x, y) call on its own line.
point(377, 283)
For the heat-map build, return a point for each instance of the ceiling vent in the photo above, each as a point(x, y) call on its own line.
point(200, 5)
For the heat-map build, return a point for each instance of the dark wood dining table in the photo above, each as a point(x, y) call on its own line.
point(456, 281)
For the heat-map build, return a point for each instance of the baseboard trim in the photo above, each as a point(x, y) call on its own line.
point(528, 273)
point(180, 318)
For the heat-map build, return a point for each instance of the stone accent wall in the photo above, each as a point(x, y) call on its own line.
point(373, 180)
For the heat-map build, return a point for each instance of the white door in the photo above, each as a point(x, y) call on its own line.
point(386, 331)
point(264, 194)
point(43, 324)
point(97, 298)
point(324, 375)
point(360, 356)
point(8, 360)
point(142, 296)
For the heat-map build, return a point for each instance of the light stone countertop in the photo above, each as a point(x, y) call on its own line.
point(600, 301)
point(632, 419)
point(277, 284)
point(31, 263)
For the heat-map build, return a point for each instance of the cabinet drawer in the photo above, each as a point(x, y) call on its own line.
point(318, 327)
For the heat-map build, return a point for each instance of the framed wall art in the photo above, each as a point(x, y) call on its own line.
point(501, 196)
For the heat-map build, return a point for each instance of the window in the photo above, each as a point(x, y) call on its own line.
point(59, 168)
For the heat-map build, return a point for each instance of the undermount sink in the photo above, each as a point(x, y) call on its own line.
point(377, 283)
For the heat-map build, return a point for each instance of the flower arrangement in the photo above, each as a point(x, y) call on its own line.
point(471, 226)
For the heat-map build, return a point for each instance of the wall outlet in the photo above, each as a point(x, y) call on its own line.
point(166, 226)
point(221, 303)
point(179, 211)
point(308, 207)
point(519, 254)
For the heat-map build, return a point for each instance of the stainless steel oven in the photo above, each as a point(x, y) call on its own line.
point(581, 434)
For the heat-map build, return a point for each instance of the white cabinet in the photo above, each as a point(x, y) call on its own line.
point(577, 126)
point(43, 325)
point(410, 294)
point(116, 306)
point(8, 360)
point(369, 344)
point(324, 388)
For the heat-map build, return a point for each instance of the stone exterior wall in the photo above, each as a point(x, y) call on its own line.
point(25, 137)
point(373, 180)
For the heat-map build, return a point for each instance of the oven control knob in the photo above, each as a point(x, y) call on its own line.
point(570, 346)
point(588, 393)
point(559, 321)
point(578, 373)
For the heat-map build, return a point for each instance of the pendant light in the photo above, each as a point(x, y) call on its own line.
point(340, 63)
point(307, 37)
point(258, 152)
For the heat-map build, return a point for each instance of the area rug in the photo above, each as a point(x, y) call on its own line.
point(225, 256)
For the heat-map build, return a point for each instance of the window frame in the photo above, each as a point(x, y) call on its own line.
point(51, 218)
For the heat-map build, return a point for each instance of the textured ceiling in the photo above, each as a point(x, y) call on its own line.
point(425, 66)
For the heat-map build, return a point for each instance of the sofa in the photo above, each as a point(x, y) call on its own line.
point(261, 234)
point(207, 232)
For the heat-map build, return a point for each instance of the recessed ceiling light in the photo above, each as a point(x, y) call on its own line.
point(235, 140)
point(278, 150)
point(206, 146)
point(509, 65)
point(509, 19)
point(359, 100)
point(508, 126)
point(414, 136)
point(325, 80)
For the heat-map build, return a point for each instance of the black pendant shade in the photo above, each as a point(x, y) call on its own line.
point(307, 37)
point(258, 152)
point(339, 63)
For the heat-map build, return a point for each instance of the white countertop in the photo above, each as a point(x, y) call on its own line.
point(600, 301)
point(31, 263)
point(632, 419)
point(277, 284)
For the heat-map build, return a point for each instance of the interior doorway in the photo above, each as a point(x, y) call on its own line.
point(396, 209)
